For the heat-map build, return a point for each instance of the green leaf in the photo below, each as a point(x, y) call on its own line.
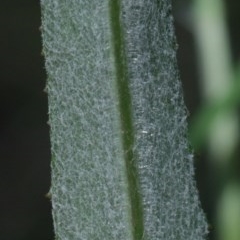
point(122, 167)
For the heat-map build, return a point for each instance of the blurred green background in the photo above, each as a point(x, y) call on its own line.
point(208, 34)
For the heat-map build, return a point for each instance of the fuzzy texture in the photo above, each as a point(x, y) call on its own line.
point(91, 193)
point(165, 164)
point(88, 195)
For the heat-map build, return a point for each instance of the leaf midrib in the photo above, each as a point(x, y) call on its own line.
point(126, 121)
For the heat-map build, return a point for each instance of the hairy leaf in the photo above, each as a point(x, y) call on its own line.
point(121, 165)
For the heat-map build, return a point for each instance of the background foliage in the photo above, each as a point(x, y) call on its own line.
point(25, 150)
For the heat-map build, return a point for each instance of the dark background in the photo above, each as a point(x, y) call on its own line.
point(25, 212)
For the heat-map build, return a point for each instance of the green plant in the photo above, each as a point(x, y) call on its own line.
point(121, 167)
point(217, 124)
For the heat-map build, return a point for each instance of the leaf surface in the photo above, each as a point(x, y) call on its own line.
point(121, 165)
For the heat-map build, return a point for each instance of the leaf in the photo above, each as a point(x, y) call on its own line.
point(122, 167)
